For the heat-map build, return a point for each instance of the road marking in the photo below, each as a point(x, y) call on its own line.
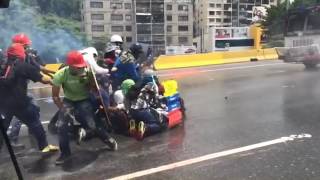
point(223, 69)
point(210, 157)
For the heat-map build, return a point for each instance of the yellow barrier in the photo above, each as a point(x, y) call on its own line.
point(214, 58)
point(53, 67)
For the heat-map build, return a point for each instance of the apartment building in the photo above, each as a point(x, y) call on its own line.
point(242, 10)
point(156, 23)
point(103, 18)
point(225, 13)
point(179, 22)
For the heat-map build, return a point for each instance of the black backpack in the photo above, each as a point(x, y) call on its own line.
point(7, 73)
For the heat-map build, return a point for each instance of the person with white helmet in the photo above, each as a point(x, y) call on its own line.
point(90, 54)
point(117, 42)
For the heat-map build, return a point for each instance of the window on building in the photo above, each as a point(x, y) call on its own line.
point(96, 4)
point(211, 20)
point(97, 16)
point(212, 5)
point(127, 6)
point(183, 40)
point(227, 20)
point(183, 8)
point(169, 18)
point(169, 28)
point(183, 28)
point(117, 28)
point(183, 18)
point(116, 17)
point(129, 39)
point(212, 13)
point(97, 38)
point(116, 5)
point(128, 17)
point(97, 28)
point(169, 40)
point(218, 20)
point(219, 12)
point(128, 28)
point(218, 5)
point(169, 7)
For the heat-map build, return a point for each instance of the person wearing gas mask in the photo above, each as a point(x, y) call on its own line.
point(33, 59)
point(128, 67)
point(15, 101)
point(117, 42)
point(142, 104)
point(32, 56)
point(75, 81)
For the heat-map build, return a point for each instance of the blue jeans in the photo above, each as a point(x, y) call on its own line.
point(29, 115)
point(152, 124)
point(95, 99)
point(83, 112)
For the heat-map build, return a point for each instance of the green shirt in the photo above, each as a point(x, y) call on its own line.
point(75, 88)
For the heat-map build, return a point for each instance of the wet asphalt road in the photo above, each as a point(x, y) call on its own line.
point(228, 106)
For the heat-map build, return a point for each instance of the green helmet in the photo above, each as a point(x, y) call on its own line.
point(126, 85)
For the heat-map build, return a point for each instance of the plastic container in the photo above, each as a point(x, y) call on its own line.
point(175, 118)
point(170, 87)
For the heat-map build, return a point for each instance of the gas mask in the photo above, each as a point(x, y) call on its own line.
point(81, 72)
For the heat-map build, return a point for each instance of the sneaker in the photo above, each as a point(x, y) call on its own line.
point(62, 159)
point(81, 134)
point(132, 128)
point(50, 148)
point(112, 143)
point(141, 130)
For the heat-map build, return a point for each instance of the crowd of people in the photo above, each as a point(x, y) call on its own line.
point(102, 93)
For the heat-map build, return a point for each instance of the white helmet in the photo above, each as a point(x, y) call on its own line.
point(118, 97)
point(116, 39)
point(90, 50)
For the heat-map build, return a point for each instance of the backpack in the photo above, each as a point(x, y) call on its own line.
point(7, 73)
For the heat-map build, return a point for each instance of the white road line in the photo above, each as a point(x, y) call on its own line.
point(224, 69)
point(210, 157)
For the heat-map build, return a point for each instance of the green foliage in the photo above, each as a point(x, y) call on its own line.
point(275, 21)
point(63, 8)
point(52, 21)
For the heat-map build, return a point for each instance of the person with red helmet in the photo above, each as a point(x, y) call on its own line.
point(32, 56)
point(14, 98)
point(75, 82)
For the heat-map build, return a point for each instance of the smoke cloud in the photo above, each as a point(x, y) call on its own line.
point(51, 43)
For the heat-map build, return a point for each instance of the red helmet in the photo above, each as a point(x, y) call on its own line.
point(75, 59)
point(22, 39)
point(16, 50)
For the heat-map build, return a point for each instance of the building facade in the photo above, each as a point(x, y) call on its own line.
point(162, 23)
point(155, 23)
point(103, 18)
point(226, 13)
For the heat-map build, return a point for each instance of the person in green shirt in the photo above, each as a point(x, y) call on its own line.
point(75, 82)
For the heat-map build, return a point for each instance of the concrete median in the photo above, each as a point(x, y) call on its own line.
point(214, 58)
